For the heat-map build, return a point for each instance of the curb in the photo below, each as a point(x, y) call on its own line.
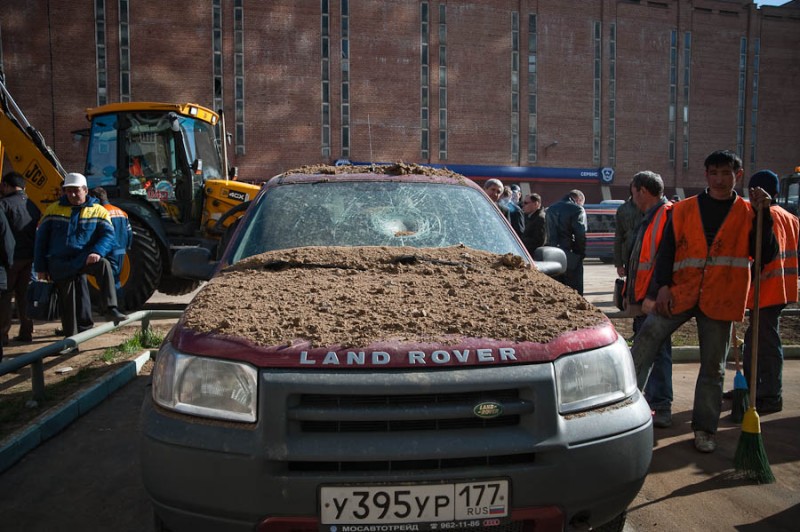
point(59, 418)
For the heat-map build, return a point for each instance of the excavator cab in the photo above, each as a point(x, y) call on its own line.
point(160, 155)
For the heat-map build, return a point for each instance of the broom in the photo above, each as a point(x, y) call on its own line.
point(739, 399)
point(751, 460)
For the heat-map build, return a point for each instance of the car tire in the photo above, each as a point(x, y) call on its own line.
point(140, 272)
point(615, 525)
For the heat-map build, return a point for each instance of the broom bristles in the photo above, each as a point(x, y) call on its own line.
point(751, 458)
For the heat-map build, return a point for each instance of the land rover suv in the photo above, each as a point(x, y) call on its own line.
point(376, 350)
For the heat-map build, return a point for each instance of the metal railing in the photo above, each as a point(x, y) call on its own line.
point(34, 358)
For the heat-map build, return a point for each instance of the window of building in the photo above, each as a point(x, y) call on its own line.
point(687, 78)
point(325, 75)
point(740, 115)
point(597, 114)
point(442, 82)
point(124, 52)
point(345, 71)
point(673, 94)
point(216, 50)
point(754, 103)
point(612, 95)
point(515, 86)
point(100, 51)
point(424, 60)
point(532, 44)
point(238, 73)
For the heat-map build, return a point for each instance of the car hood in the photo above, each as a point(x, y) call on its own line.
point(378, 307)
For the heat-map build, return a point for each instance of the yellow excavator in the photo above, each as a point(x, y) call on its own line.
point(159, 162)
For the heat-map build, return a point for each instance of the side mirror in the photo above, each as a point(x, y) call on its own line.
point(193, 263)
point(550, 260)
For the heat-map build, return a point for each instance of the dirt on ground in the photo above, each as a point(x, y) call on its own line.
point(369, 294)
point(64, 374)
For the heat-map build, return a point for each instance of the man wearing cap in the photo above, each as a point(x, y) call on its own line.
point(778, 287)
point(73, 238)
point(22, 216)
point(702, 271)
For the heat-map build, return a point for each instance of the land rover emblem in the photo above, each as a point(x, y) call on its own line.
point(488, 410)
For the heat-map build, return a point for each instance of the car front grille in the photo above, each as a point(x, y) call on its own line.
point(402, 413)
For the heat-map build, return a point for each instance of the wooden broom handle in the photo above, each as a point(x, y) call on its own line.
point(755, 313)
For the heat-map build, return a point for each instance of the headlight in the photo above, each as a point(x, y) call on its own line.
point(205, 386)
point(594, 378)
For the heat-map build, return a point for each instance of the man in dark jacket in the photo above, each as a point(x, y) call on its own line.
point(566, 229)
point(628, 218)
point(22, 217)
point(6, 257)
point(535, 233)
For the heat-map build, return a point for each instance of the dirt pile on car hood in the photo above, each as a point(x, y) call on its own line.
point(354, 296)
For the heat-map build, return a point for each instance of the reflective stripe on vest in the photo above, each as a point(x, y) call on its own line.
point(779, 276)
point(717, 279)
point(647, 255)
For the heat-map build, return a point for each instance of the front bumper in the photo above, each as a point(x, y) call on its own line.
point(208, 475)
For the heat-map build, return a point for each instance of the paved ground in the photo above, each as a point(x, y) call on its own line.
point(87, 478)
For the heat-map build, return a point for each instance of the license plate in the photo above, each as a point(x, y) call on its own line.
point(414, 503)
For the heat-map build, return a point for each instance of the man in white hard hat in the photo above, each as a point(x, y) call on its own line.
point(74, 236)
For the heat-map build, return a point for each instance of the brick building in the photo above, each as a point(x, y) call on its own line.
point(545, 93)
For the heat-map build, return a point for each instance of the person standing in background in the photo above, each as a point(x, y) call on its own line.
point(566, 229)
point(123, 236)
point(497, 193)
point(6, 258)
point(22, 216)
point(535, 233)
point(778, 288)
point(647, 194)
point(627, 219)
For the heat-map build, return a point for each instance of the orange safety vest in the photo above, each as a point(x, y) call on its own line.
point(779, 277)
point(647, 255)
point(716, 279)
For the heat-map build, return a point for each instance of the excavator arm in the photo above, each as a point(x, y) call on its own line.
point(25, 149)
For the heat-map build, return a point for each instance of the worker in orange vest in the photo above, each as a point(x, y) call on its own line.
point(703, 272)
point(778, 287)
point(647, 194)
point(123, 237)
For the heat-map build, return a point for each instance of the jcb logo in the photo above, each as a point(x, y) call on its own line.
point(35, 175)
point(238, 196)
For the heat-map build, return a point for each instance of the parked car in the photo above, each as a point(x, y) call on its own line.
point(601, 219)
point(350, 366)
